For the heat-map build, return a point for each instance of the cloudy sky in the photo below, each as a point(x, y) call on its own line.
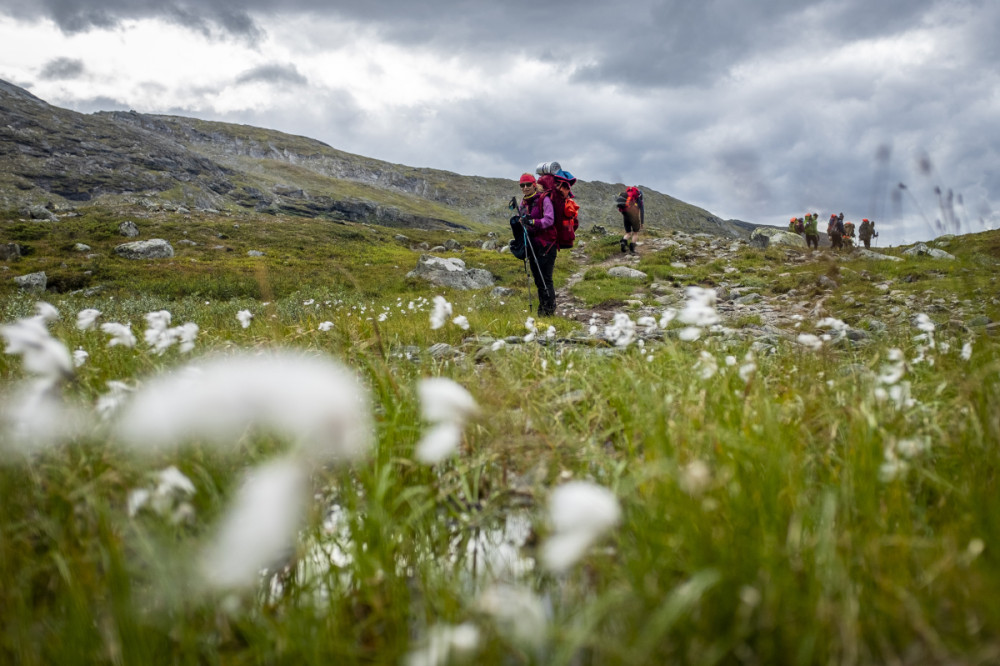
point(753, 109)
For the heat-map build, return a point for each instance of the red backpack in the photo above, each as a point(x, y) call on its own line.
point(567, 224)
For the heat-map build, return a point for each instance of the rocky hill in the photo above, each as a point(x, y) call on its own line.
point(61, 159)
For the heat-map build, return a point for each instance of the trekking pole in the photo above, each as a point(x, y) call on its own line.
point(531, 249)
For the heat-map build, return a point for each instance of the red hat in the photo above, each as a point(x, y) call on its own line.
point(527, 178)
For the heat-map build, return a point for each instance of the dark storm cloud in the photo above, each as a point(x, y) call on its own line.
point(753, 110)
point(60, 69)
point(275, 74)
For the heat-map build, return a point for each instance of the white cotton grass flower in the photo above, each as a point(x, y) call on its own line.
point(707, 365)
point(966, 353)
point(621, 331)
point(168, 498)
point(809, 341)
point(517, 613)
point(461, 321)
point(498, 345)
point(244, 317)
point(121, 334)
point(748, 368)
point(446, 644)
point(699, 309)
point(46, 312)
point(34, 417)
point(41, 354)
point(259, 530)
point(550, 333)
point(893, 467)
point(86, 319)
point(695, 477)
point(311, 399)
point(580, 513)
point(109, 403)
point(923, 323)
point(912, 447)
point(441, 312)
point(325, 326)
point(446, 405)
point(668, 316)
point(648, 323)
point(187, 334)
point(80, 357)
point(689, 333)
point(895, 369)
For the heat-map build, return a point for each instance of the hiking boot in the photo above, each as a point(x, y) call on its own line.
point(624, 245)
point(631, 248)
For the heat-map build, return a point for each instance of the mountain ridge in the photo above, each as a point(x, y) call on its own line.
point(64, 158)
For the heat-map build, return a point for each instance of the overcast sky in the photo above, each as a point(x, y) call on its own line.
point(754, 110)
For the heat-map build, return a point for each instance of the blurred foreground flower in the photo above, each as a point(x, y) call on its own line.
point(260, 530)
point(167, 498)
point(580, 512)
point(517, 613)
point(446, 644)
point(244, 317)
point(312, 400)
point(121, 334)
point(446, 405)
point(42, 355)
point(440, 313)
point(85, 319)
point(621, 331)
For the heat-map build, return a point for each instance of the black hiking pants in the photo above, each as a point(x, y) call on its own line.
point(543, 261)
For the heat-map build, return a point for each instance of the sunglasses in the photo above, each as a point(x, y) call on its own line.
point(527, 184)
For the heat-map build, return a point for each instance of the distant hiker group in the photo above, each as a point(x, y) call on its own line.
point(840, 233)
point(546, 221)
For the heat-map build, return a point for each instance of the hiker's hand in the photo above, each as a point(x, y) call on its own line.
point(527, 221)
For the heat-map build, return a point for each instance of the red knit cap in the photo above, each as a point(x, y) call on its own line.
point(527, 178)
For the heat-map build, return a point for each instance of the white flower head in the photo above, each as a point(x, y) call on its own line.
point(516, 612)
point(580, 513)
point(695, 477)
point(966, 351)
point(446, 644)
point(621, 331)
point(668, 316)
point(310, 399)
point(325, 326)
point(445, 401)
point(707, 365)
point(699, 309)
point(121, 334)
point(689, 333)
point(461, 321)
point(810, 341)
point(80, 357)
point(259, 531)
point(244, 317)
point(924, 323)
point(440, 313)
point(46, 312)
point(85, 319)
point(41, 354)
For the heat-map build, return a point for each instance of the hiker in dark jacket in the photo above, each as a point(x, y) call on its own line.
point(812, 233)
point(633, 213)
point(835, 230)
point(538, 218)
point(866, 231)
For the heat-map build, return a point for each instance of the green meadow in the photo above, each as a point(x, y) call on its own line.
point(779, 503)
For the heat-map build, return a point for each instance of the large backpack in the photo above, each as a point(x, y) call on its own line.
point(567, 224)
point(517, 245)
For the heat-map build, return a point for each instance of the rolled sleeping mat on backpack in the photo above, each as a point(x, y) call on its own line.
point(548, 167)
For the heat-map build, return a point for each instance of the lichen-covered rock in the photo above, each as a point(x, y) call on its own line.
point(32, 281)
point(451, 272)
point(155, 248)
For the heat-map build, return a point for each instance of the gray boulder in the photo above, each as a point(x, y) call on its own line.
point(81, 247)
point(32, 281)
point(451, 272)
point(155, 248)
point(128, 229)
point(452, 245)
point(626, 272)
point(868, 254)
point(921, 250)
point(763, 237)
point(9, 251)
point(41, 213)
